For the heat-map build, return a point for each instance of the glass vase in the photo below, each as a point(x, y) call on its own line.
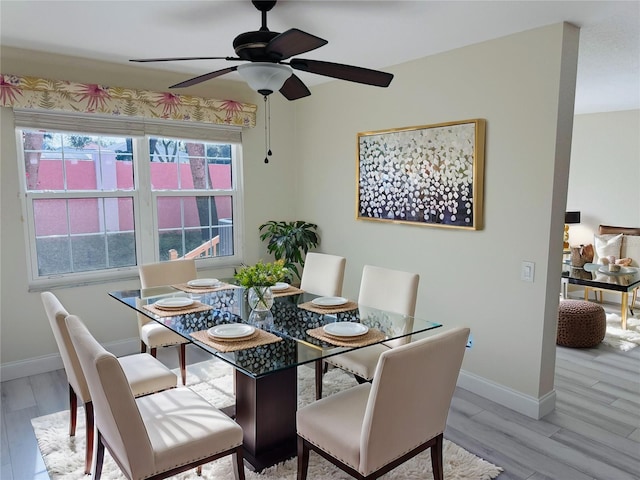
point(260, 301)
point(260, 298)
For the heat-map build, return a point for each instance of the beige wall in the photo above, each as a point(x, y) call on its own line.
point(26, 334)
point(467, 278)
point(521, 84)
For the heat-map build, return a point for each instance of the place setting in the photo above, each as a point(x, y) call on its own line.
point(230, 337)
point(329, 305)
point(347, 334)
point(171, 306)
point(283, 289)
point(204, 285)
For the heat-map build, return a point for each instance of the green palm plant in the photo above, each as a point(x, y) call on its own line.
point(290, 241)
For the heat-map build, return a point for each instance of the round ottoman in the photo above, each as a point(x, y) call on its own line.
point(581, 324)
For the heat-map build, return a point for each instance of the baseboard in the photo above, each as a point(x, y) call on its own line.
point(49, 363)
point(535, 408)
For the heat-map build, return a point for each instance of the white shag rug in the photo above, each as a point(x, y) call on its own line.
point(64, 455)
point(621, 339)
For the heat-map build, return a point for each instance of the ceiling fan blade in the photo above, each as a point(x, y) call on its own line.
point(177, 59)
point(293, 42)
point(204, 78)
point(343, 72)
point(294, 89)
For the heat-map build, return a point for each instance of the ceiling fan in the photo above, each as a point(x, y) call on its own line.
point(267, 71)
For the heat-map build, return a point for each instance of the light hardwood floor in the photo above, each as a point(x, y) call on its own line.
point(594, 433)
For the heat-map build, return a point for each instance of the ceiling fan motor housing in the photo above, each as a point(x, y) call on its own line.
point(252, 46)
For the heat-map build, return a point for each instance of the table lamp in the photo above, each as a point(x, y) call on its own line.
point(569, 218)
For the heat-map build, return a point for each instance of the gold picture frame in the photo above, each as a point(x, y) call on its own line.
point(427, 175)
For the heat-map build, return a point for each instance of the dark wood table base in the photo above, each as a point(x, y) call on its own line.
point(269, 424)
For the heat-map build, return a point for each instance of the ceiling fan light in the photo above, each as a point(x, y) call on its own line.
point(264, 77)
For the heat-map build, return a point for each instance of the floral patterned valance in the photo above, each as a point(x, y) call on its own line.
point(39, 93)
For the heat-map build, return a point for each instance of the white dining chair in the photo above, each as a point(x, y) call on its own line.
point(152, 334)
point(381, 288)
point(155, 436)
point(144, 373)
point(323, 274)
point(370, 429)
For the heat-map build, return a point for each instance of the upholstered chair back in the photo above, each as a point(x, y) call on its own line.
point(391, 290)
point(386, 289)
point(323, 274)
point(117, 417)
point(410, 396)
point(56, 314)
point(167, 273)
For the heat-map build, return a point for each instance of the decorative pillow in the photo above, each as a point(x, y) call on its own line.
point(607, 245)
point(631, 249)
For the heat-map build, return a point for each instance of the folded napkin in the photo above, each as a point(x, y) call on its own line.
point(166, 312)
point(329, 309)
point(186, 288)
point(372, 336)
point(257, 338)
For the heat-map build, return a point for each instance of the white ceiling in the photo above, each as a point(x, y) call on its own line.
point(372, 34)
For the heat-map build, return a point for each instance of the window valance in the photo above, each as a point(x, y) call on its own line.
point(39, 93)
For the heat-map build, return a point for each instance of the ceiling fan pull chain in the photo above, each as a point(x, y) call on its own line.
point(269, 122)
point(266, 134)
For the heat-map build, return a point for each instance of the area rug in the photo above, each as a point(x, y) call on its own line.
point(64, 455)
point(621, 339)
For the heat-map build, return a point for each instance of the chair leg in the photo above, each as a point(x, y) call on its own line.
point(88, 415)
point(97, 466)
point(319, 379)
point(303, 459)
point(143, 347)
point(183, 362)
point(436, 459)
point(153, 351)
point(237, 459)
point(73, 411)
point(199, 470)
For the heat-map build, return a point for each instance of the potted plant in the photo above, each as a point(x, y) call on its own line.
point(290, 241)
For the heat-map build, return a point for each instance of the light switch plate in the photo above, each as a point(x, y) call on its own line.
point(527, 272)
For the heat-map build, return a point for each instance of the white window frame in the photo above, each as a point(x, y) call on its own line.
point(144, 199)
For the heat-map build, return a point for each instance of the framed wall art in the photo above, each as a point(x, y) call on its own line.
point(427, 175)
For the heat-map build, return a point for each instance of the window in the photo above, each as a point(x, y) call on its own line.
point(192, 221)
point(99, 204)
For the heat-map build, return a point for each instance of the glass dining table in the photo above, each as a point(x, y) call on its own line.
point(266, 374)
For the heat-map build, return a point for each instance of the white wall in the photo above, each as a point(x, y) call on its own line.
point(522, 85)
point(467, 278)
point(604, 176)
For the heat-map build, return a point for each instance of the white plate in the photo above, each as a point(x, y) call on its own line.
point(174, 302)
point(279, 286)
point(231, 330)
point(623, 270)
point(204, 282)
point(345, 329)
point(329, 301)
